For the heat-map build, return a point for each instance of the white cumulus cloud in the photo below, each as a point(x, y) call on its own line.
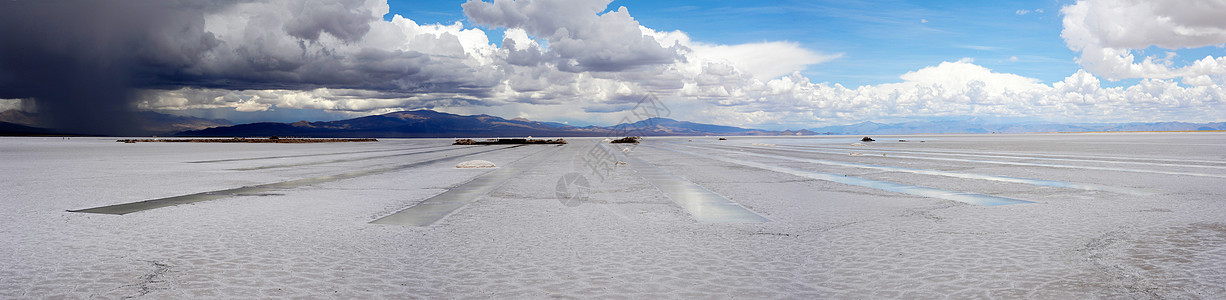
point(765, 60)
point(1106, 33)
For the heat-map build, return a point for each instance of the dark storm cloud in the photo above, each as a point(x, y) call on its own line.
point(79, 59)
point(82, 61)
point(346, 20)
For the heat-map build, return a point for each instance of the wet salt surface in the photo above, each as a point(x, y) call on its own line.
point(131, 207)
point(1031, 164)
point(436, 208)
point(1095, 159)
point(964, 197)
point(307, 155)
point(1041, 182)
point(702, 204)
point(432, 150)
point(826, 240)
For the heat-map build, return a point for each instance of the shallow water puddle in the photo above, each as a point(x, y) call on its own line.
point(131, 207)
point(440, 206)
point(1071, 158)
point(1016, 163)
point(448, 148)
point(964, 197)
point(1051, 183)
point(304, 155)
point(704, 205)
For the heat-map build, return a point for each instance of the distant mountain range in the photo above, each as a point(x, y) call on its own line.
point(428, 123)
point(15, 122)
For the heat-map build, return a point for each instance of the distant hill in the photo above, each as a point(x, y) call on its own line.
point(420, 123)
point(976, 126)
point(665, 126)
point(148, 122)
point(10, 129)
point(428, 123)
point(153, 123)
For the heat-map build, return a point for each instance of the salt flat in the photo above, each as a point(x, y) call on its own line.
point(1100, 215)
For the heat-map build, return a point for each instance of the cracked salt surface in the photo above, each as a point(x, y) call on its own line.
point(826, 239)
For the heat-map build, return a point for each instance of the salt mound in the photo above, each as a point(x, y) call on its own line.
point(476, 164)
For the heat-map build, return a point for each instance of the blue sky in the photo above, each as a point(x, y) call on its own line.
point(879, 40)
point(759, 64)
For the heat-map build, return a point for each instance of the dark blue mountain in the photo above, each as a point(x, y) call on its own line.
point(144, 123)
point(10, 129)
point(428, 123)
point(665, 126)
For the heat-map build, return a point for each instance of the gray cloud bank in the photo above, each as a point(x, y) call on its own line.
point(85, 62)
